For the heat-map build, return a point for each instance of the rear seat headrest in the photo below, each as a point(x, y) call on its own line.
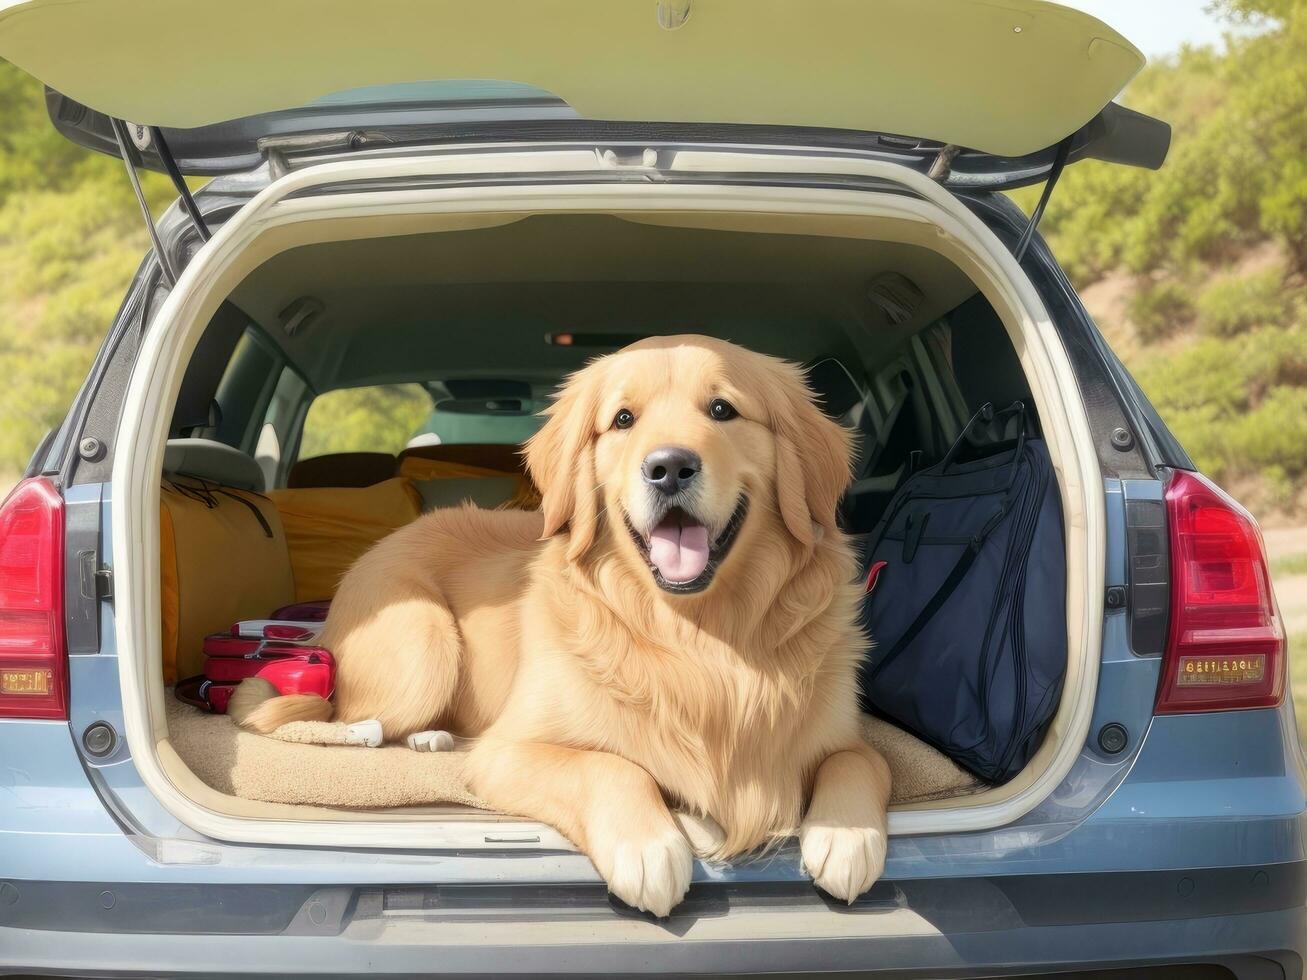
point(342, 470)
point(205, 459)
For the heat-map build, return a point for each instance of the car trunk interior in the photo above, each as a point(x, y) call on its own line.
point(901, 345)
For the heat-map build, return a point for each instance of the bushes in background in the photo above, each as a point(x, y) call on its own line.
point(1238, 404)
point(1235, 304)
point(1159, 310)
point(70, 239)
point(1231, 380)
point(1237, 170)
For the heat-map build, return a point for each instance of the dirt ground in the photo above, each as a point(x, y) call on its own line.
point(1286, 545)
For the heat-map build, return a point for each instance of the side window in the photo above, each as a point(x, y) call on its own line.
point(375, 419)
point(244, 390)
point(947, 410)
point(984, 361)
point(214, 359)
point(281, 421)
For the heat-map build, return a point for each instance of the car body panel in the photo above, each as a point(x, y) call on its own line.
point(954, 71)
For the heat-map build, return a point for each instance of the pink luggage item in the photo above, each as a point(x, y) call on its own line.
point(292, 668)
point(304, 631)
point(309, 612)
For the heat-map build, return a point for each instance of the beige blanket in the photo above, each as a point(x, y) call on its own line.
point(288, 769)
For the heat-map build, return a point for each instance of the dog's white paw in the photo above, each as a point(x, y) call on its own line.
point(652, 874)
point(843, 861)
point(703, 832)
point(431, 742)
point(366, 733)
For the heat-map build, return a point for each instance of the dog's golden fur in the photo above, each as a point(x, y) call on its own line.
point(597, 697)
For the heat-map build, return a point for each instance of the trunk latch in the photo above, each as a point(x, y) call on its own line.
point(96, 580)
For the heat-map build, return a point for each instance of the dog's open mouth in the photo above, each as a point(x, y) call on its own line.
point(679, 552)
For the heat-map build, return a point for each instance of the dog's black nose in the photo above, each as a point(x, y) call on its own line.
point(670, 469)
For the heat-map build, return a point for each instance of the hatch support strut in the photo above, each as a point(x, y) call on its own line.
point(1059, 164)
point(126, 147)
point(179, 182)
point(124, 140)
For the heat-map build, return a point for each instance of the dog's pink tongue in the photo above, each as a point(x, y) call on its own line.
point(679, 553)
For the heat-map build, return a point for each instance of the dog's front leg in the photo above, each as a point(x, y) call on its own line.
point(610, 808)
point(845, 832)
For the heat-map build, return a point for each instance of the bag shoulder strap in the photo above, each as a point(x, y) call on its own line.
point(946, 588)
point(937, 600)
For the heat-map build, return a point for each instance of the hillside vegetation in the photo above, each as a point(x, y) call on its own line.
point(70, 238)
point(1196, 273)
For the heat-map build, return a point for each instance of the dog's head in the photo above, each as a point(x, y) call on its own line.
point(684, 451)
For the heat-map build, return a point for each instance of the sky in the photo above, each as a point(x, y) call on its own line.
point(1156, 26)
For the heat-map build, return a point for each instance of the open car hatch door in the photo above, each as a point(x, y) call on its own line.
point(1003, 79)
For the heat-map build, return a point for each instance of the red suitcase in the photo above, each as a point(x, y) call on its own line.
point(281, 656)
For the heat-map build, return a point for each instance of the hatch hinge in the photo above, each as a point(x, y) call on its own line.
point(943, 164)
point(1059, 164)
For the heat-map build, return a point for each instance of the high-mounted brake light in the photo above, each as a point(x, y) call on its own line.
point(1225, 646)
point(33, 656)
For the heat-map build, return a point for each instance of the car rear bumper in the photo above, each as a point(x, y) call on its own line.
point(1198, 856)
point(1244, 918)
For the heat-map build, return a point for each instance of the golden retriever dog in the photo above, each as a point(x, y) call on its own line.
point(674, 630)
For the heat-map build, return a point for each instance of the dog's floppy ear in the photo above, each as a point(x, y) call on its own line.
point(813, 466)
point(560, 459)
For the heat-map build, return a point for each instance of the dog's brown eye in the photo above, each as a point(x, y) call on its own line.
point(623, 419)
point(720, 410)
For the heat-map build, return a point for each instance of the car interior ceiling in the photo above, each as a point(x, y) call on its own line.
point(432, 297)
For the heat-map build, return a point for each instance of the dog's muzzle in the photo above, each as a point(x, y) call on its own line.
point(679, 552)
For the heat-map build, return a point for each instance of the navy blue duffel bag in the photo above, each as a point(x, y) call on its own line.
point(966, 599)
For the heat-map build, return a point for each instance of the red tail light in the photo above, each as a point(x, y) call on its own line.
point(33, 658)
point(1225, 647)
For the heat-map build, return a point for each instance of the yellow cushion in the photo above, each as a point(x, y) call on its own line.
point(220, 563)
point(420, 468)
point(526, 497)
point(329, 528)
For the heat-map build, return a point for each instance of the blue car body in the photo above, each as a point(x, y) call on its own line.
point(1183, 846)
